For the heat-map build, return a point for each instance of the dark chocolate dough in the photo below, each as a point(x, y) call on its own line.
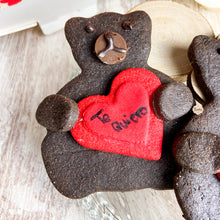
point(197, 147)
point(198, 195)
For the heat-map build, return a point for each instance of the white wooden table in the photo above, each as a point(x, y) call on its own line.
point(33, 66)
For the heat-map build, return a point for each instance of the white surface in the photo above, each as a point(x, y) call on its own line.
point(209, 3)
point(50, 15)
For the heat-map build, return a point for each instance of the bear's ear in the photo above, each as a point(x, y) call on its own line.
point(77, 31)
point(139, 38)
point(203, 48)
point(198, 48)
point(77, 27)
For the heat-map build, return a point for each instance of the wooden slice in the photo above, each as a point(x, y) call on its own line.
point(196, 88)
point(197, 94)
point(173, 28)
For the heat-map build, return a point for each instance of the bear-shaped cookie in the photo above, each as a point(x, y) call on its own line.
point(104, 46)
point(197, 147)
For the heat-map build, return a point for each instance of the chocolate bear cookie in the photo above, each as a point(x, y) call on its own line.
point(197, 148)
point(104, 46)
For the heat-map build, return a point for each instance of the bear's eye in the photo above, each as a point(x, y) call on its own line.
point(218, 51)
point(127, 25)
point(90, 28)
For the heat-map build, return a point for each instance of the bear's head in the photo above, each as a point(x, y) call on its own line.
point(134, 28)
point(204, 54)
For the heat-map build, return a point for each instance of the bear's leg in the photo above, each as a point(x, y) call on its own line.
point(198, 194)
point(77, 171)
point(199, 152)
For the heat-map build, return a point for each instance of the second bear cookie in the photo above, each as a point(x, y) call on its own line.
point(197, 148)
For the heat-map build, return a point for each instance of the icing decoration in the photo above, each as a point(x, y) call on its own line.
point(218, 175)
point(110, 45)
point(122, 122)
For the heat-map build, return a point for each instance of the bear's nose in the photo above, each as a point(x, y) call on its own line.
point(111, 48)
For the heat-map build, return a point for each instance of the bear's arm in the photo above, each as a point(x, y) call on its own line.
point(57, 113)
point(172, 100)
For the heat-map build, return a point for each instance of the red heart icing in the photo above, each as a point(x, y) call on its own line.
point(218, 175)
point(122, 122)
point(10, 2)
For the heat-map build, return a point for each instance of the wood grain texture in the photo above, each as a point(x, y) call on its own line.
point(174, 27)
point(32, 67)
